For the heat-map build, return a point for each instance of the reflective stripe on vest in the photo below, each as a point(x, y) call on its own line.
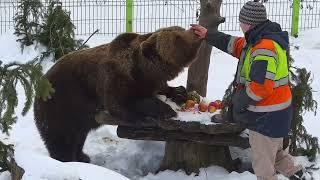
point(270, 108)
point(241, 61)
point(270, 75)
point(251, 94)
point(264, 52)
point(231, 44)
point(282, 82)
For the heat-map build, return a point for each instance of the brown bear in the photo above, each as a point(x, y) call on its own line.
point(122, 77)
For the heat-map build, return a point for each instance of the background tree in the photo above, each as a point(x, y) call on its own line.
point(51, 26)
point(57, 32)
point(29, 75)
point(27, 21)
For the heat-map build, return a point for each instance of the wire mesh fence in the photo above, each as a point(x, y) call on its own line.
point(7, 11)
point(109, 16)
point(310, 14)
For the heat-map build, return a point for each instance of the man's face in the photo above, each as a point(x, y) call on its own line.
point(245, 27)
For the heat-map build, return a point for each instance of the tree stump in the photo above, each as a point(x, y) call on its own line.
point(191, 156)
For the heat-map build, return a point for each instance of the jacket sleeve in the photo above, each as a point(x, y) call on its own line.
point(225, 42)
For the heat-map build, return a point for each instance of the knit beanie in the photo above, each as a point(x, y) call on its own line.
point(253, 13)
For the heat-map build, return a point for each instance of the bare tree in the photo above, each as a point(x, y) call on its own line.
point(191, 156)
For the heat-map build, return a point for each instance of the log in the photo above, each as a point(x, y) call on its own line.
point(158, 134)
point(104, 117)
point(15, 170)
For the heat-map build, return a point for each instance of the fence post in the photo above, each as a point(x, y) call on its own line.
point(295, 18)
point(129, 15)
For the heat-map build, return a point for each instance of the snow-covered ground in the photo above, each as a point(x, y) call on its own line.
point(114, 157)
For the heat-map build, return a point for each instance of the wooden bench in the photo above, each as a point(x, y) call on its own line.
point(186, 142)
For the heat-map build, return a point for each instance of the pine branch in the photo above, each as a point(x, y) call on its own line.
point(302, 143)
point(58, 31)
point(26, 28)
point(5, 152)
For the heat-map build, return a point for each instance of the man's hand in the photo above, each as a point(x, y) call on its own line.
point(199, 30)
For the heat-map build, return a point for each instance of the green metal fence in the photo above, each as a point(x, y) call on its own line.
point(112, 17)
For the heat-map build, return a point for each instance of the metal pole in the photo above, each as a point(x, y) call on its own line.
point(129, 15)
point(295, 18)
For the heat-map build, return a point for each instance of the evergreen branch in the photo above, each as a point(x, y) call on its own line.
point(302, 143)
point(5, 152)
point(29, 93)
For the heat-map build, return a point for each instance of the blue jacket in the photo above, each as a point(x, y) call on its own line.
point(273, 124)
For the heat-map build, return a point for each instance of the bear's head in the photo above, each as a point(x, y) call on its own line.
point(170, 50)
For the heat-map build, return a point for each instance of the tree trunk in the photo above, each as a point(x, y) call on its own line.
point(198, 71)
point(15, 170)
point(191, 156)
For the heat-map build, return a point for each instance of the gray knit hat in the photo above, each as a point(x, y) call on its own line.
point(253, 13)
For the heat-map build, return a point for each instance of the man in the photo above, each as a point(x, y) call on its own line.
point(262, 99)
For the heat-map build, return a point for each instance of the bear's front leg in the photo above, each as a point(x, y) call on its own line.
point(153, 107)
point(122, 112)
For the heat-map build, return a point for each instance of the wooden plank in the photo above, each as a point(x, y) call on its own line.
point(171, 125)
point(158, 134)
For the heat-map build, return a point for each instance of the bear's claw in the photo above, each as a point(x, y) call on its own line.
point(178, 94)
point(153, 107)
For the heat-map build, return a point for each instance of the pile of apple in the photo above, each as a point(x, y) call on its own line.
point(196, 103)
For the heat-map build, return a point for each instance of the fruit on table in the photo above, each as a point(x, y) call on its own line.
point(194, 96)
point(217, 104)
point(190, 104)
point(212, 109)
point(203, 107)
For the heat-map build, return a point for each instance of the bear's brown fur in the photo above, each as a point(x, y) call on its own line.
point(121, 77)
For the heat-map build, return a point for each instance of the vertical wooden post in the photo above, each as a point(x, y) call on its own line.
point(129, 15)
point(191, 156)
point(198, 71)
point(295, 18)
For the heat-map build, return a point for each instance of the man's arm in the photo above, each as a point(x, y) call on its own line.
point(225, 42)
point(218, 39)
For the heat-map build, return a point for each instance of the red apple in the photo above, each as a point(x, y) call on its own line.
point(190, 104)
point(203, 107)
point(217, 104)
point(212, 109)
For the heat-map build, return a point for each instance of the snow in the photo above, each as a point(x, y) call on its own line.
point(118, 159)
point(39, 166)
point(213, 172)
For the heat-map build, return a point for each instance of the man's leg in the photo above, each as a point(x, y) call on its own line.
point(264, 150)
point(285, 163)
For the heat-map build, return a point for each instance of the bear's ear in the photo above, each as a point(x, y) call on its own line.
point(148, 48)
point(144, 37)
